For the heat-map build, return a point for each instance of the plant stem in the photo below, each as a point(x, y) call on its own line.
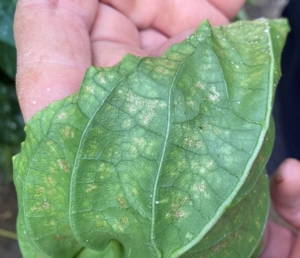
point(8, 234)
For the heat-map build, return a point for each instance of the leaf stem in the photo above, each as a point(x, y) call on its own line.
point(8, 234)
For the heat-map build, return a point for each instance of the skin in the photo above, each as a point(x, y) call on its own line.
point(285, 193)
point(57, 40)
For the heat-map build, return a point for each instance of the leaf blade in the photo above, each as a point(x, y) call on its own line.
point(151, 152)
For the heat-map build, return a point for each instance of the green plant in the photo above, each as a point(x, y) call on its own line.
point(157, 157)
point(11, 122)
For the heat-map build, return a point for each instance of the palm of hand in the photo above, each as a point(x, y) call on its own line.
point(58, 40)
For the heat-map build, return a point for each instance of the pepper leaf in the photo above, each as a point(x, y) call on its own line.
point(154, 157)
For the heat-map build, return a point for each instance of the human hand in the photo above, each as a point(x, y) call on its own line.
point(57, 40)
point(281, 242)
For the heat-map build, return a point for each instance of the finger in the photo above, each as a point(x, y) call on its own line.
point(296, 250)
point(285, 191)
point(109, 53)
point(113, 36)
point(171, 41)
point(169, 17)
point(53, 49)
point(276, 236)
point(151, 40)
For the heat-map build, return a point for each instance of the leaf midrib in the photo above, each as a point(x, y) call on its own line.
point(152, 234)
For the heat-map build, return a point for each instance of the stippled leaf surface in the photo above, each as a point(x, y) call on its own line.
point(155, 157)
point(237, 237)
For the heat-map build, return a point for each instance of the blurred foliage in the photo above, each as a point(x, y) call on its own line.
point(251, 2)
point(11, 122)
point(242, 14)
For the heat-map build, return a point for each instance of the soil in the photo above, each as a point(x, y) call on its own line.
point(8, 212)
point(8, 203)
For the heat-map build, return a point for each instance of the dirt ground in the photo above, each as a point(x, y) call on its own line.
point(8, 204)
point(8, 210)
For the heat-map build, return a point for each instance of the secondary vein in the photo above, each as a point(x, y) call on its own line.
point(152, 234)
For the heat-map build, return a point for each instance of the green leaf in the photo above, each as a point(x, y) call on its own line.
point(11, 126)
point(7, 11)
point(157, 157)
point(7, 43)
point(8, 60)
point(239, 236)
point(12, 123)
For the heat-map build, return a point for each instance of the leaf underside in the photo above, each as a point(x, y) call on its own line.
point(160, 157)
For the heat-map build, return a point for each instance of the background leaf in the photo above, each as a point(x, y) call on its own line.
point(153, 151)
point(7, 44)
point(12, 124)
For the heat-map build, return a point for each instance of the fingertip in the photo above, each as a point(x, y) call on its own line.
point(273, 236)
point(285, 183)
point(171, 41)
point(288, 171)
point(285, 191)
